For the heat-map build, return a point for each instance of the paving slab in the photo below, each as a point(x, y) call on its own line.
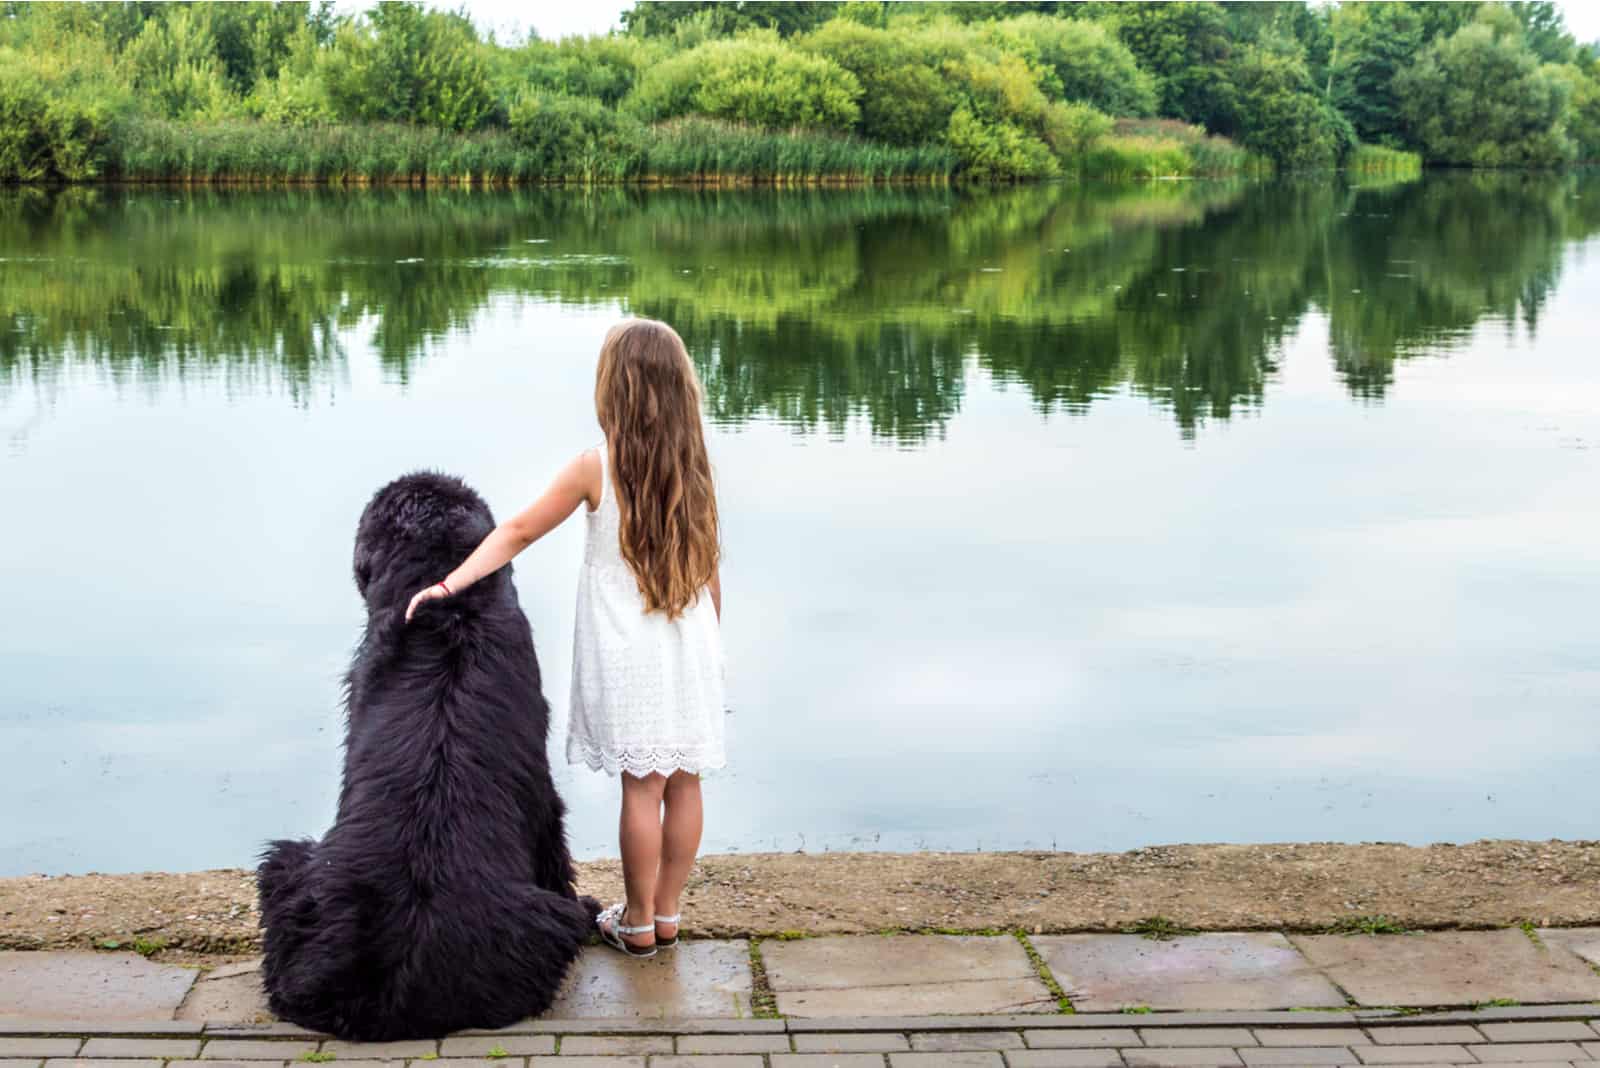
point(1551, 1031)
point(827, 1060)
point(851, 1042)
point(700, 978)
point(945, 1060)
point(1175, 1057)
point(40, 1047)
point(480, 1046)
point(887, 974)
point(257, 1049)
point(1101, 1037)
point(1424, 1035)
point(705, 1060)
point(702, 1045)
point(961, 1041)
point(1414, 1055)
point(101, 986)
point(1208, 971)
point(615, 1045)
point(982, 996)
point(1312, 1036)
point(141, 1048)
point(1450, 968)
point(1509, 1052)
point(1272, 1056)
point(1062, 1058)
point(1198, 1036)
point(232, 998)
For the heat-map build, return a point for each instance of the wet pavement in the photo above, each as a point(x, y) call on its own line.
point(921, 1001)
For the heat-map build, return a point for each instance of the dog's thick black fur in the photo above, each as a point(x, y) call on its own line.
point(442, 897)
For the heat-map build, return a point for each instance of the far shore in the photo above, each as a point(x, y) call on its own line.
point(1291, 887)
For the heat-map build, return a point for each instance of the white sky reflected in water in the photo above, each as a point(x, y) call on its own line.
point(1319, 620)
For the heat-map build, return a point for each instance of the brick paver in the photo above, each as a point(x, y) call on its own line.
point(1549, 1031)
point(1446, 1054)
point(713, 1044)
point(1312, 1036)
point(827, 1060)
point(1197, 1036)
point(582, 1062)
point(39, 1047)
point(256, 1049)
point(1423, 1035)
point(614, 1045)
point(1505, 1052)
point(141, 1048)
point(1106, 1037)
point(1182, 1057)
point(945, 1060)
point(480, 1045)
point(963, 1041)
point(713, 1060)
point(1278, 1055)
point(380, 1051)
point(1064, 1058)
point(850, 1043)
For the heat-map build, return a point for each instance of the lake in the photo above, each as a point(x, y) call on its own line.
point(1056, 517)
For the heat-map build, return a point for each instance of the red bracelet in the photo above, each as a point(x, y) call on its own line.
point(447, 591)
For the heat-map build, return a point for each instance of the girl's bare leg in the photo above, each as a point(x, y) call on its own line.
point(680, 841)
point(640, 837)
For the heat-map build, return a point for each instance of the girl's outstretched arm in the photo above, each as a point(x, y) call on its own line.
point(579, 481)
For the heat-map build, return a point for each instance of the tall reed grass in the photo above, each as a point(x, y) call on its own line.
point(1376, 161)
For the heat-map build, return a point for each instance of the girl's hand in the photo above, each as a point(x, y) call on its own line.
point(436, 592)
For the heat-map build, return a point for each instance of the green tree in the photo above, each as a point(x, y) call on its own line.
point(904, 100)
point(1080, 61)
point(399, 63)
point(758, 80)
point(1280, 114)
point(174, 66)
point(1480, 97)
point(1185, 44)
point(661, 18)
point(1372, 42)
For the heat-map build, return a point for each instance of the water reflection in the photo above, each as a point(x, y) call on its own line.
point(808, 308)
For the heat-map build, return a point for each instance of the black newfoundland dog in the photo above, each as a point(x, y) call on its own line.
point(442, 897)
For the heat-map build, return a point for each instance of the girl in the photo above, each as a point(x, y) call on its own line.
point(647, 690)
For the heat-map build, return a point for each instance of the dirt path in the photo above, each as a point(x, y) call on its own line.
point(1210, 887)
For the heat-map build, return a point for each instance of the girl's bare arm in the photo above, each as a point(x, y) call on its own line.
point(577, 482)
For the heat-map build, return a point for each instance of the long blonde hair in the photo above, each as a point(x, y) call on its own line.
point(647, 396)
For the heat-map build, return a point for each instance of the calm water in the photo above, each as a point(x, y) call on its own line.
point(1055, 518)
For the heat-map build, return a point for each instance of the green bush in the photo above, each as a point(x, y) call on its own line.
point(1481, 98)
point(1280, 114)
point(904, 100)
point(399, 63)
point(56, 118)
point(573, 138)
point(603, 68)
point(174, 66)
point(1079, 61)
point(990, 149)
point(754, 80)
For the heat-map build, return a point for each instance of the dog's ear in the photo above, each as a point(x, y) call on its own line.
point(362, 566)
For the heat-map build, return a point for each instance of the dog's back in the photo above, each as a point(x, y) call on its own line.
point(442, 897)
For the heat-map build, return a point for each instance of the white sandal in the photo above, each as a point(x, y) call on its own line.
point(667, 943)
point(612, 936)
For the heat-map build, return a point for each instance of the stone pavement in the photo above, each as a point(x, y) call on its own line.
point(895, 1001)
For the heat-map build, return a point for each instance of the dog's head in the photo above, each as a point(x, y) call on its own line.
point(413, 533)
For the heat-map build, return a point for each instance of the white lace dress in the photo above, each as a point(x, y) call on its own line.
point(647, 692)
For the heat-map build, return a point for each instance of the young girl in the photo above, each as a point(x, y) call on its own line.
point(647, 690)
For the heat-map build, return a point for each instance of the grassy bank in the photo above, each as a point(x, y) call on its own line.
point(691, 151)
point(1160, 148)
